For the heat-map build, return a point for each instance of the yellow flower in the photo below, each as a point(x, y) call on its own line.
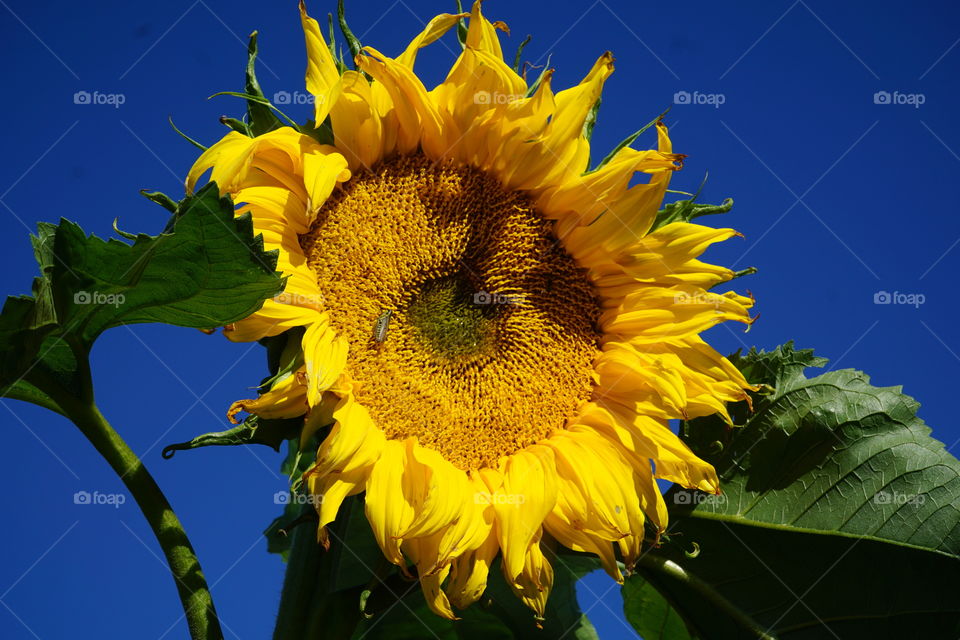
point(495, 333)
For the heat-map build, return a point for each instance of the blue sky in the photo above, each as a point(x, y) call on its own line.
point(833, 125)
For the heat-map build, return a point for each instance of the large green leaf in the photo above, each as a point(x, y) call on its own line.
point(205, 270)
point(840, 515)
point(650, 613)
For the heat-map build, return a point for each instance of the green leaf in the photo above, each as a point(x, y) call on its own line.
point(840, 515)
point(563, 618)
point(208, 272)
point(354, 550)
point(260, 117)
point(205, 271)
point(649, 612)
point(498, 614)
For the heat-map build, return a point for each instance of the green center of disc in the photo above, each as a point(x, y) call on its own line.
point(447, 318)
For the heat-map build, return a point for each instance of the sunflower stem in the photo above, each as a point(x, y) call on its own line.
point(309, 609)
point(184, 565)
point(653, 566)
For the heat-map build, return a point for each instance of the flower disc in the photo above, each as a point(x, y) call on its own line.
point(493, 334)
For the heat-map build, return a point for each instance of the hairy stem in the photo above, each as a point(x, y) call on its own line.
point(184, 565)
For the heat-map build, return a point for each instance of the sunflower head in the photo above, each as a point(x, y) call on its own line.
point(493, 335)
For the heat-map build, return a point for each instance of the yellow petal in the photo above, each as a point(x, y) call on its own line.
point(468, 574)
point(527, 495)
point(322, 79)
point(434, 30)
point(416, 113)
point(482, 35)
point(357, 124)
point(535, 580)
point(287, 398)
point(325, 356)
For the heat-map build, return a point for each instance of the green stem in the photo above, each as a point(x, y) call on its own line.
point(655, 566)
point(184, 565)
point(299, 583)
point(309, 610)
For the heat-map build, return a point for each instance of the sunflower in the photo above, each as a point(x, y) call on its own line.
point(497, 335)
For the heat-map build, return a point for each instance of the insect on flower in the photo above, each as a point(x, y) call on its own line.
point(381, 325)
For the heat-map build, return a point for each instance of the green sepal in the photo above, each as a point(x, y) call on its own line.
point(260, 118)
point(185, 136)
point(236, 125)
point(261, 100)
point(591, 120)
point(253, 430)
point(461, 27)
point(536, 84)
point(332, 46)
point(161, 199)
point(687, 210)
point(352, 43)
point(322, 134)
point(626, 142)
point(520, 48)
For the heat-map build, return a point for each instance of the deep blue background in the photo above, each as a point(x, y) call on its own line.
point(838, 198)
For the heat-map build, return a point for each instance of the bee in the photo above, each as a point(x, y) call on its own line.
point(381, 325)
